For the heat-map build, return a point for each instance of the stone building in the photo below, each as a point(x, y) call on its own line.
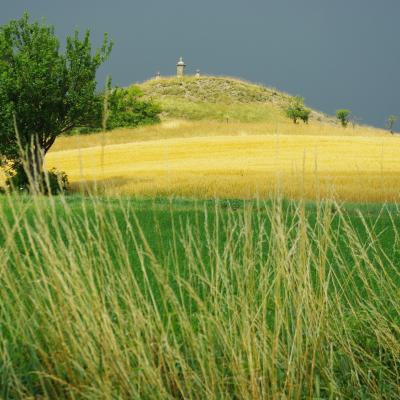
point(180, 70)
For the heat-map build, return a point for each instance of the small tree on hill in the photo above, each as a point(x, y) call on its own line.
point(343, 116)
point(391, 122)
point(297, 111)
point(43, 92)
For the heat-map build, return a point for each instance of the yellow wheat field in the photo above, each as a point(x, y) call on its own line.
point(236, 161)
point(188, 129)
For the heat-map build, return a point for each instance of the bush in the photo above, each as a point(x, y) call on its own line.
point(55, 182)
point(125, 109)
point(343, 116)
point(296, 110)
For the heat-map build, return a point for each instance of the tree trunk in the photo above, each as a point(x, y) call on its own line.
point(34, 169)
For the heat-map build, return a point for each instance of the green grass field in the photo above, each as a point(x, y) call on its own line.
point(158, 298)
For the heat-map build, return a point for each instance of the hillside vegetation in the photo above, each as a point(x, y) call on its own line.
point(219, 98)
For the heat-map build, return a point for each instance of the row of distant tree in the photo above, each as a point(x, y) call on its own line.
point(345, 117)
point(297, 111)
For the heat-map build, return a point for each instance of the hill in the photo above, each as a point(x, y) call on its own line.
point(194, 152)
point(221, 99)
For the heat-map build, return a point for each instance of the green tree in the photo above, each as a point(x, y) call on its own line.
point(126, 109)
point(391, 122)
point(297, 111)
point(343, 116)
point(44, 92)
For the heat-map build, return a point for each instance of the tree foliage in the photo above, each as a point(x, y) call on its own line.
point(297, 111)
point(44, 92)
point(343, 116)
point(127, 109)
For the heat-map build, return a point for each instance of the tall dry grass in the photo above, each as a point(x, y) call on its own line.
point(260, 302)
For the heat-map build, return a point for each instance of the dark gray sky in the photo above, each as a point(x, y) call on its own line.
point(335, 53)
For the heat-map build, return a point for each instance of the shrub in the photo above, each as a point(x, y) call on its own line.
point(343, 116)
point(125, 109)
point(55, 182)
point(296, 110)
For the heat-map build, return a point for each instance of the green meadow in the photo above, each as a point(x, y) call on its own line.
point(176, 298)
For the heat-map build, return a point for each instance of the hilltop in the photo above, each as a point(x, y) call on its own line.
point(214, 90)
point(221, 99)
